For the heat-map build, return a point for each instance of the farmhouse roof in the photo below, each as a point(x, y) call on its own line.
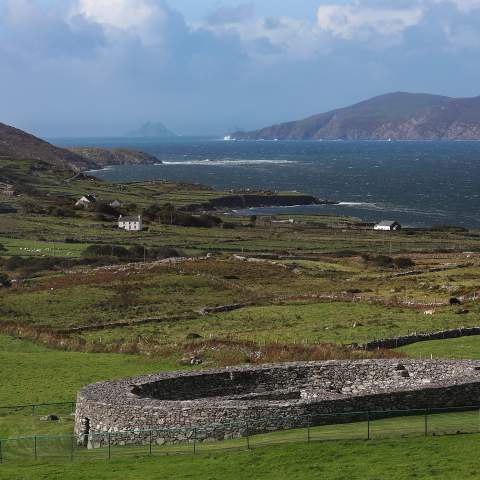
point(387, 223)
point(135, 218)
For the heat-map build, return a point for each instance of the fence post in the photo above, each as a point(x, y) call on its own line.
point(109, 447)
point(72, 447)
point(247, 437)
point(194, 441)
point(426, 422)
point(33, 409)
point(308, 429)
point(35, 447)
point(368, 425)
point(1, 453)
point(150, 443)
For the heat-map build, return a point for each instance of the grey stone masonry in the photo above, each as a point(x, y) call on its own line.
point(232, 402)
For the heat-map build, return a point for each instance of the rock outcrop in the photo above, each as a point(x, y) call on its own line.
point(102, 157)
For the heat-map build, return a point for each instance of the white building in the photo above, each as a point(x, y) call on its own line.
point(131, 224)
point(388, 225)
point(85, 201)
point(116, 203)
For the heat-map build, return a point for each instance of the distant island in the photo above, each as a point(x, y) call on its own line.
point(394, 116)
point(152, 130)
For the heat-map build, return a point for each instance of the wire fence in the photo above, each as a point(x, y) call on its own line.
point(373, 425)
point(38, 409)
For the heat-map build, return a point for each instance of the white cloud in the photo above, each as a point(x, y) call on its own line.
point(350, 21)
point(143, 18)
point(465, 5)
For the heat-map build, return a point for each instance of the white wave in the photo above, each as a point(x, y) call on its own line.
point(357, 204)
point(105, 169)
point(228, 163)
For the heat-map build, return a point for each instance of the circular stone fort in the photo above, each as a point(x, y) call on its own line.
point(232, 402)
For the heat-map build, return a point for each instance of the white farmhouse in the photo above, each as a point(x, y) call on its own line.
point(131, 224)
point(388, 225)
point(86, 200)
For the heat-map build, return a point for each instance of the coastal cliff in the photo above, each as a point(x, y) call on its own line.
point(102, 157)
point(394, 116)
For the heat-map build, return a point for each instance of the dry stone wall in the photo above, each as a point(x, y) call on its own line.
point(228, 403)
point(401, 341)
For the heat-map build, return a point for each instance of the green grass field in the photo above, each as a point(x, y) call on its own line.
point(446, 458)
point(463, 347)
point(38, 374)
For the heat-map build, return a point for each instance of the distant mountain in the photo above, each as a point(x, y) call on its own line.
point(152, 130)
point(396, 116)
point(15, 143)
point(103, 157)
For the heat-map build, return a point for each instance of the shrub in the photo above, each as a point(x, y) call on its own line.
point(105, 208)
point(105, 251)
point(169, 215)
point(384, 261)
point(403, 262)
point(345, 253)
point(155, 253)
point(15, 262)
point(4, 280)
point(62, 212)
point(377, 260)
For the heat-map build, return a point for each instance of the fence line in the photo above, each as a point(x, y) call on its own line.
point(35, 407)
point(366, 425)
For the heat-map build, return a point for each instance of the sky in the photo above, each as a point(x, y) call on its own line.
point(105, 67)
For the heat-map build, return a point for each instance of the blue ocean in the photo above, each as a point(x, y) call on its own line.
point(417, 183)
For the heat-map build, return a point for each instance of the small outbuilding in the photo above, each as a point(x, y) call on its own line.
point(86, 201)
point(116, 203)
point(387, 225)
point(131, 224)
